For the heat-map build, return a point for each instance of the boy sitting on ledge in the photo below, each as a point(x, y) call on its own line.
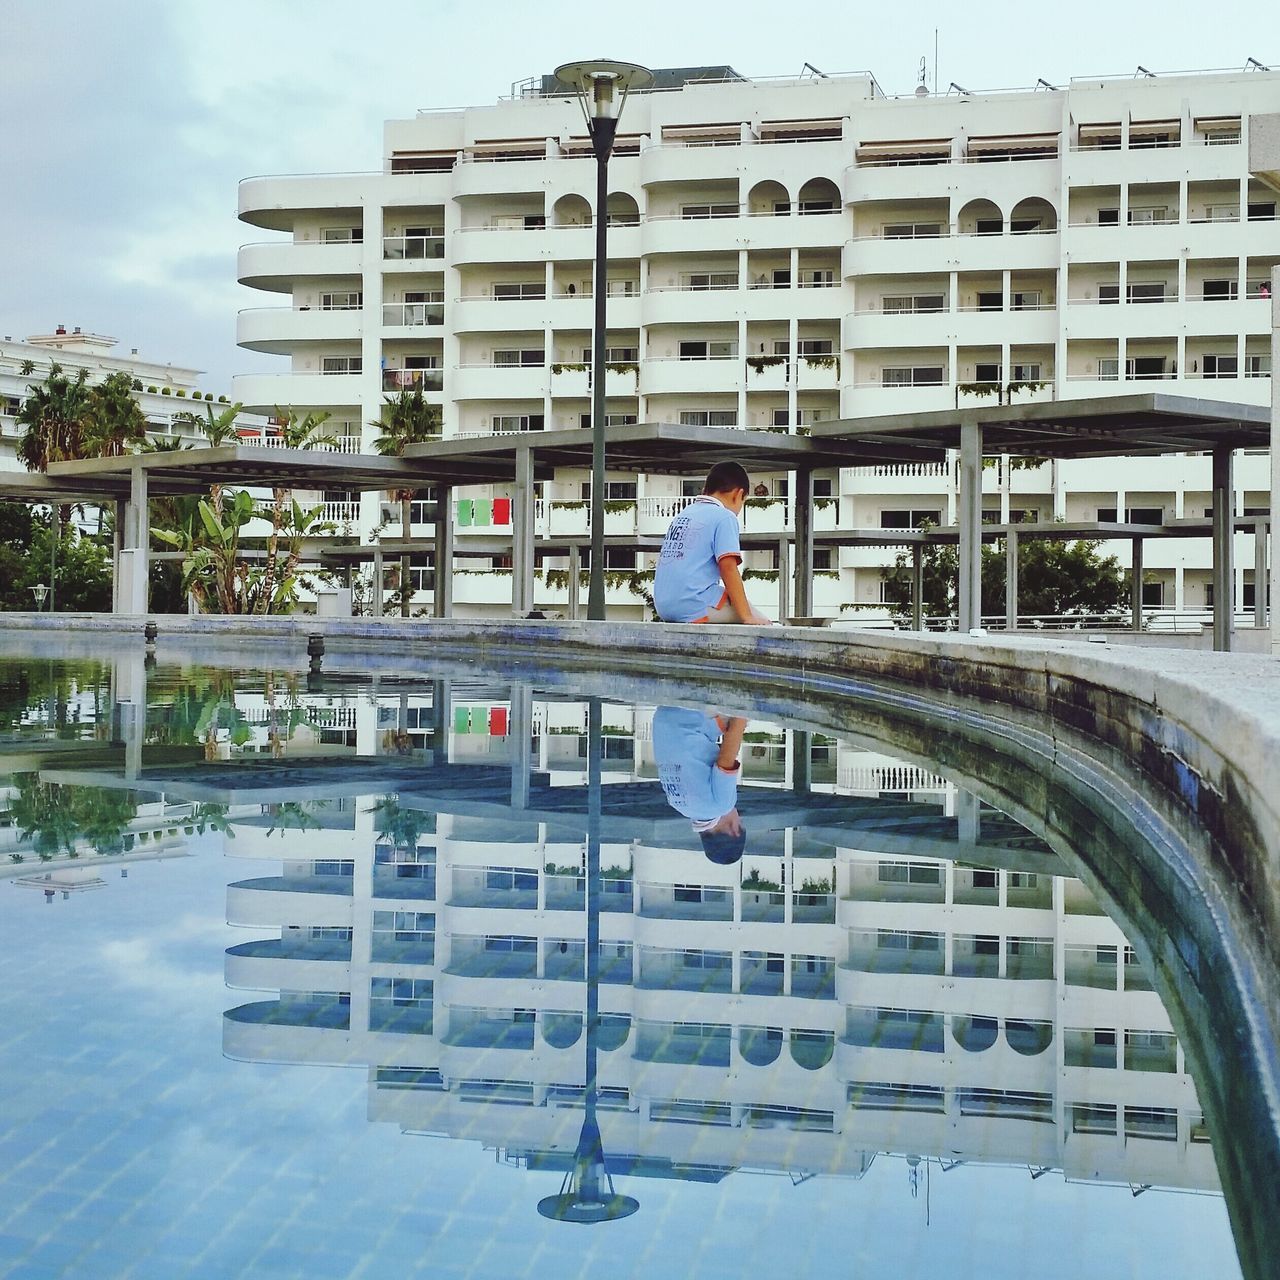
point(697, 578)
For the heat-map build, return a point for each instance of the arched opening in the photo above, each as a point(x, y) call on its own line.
point(980, 218)
point(819, 195)
point(760, 1046)
point(976, 1033)
point(768, 197)
point(614, 1029)
point(622, 209)
point(1028, 1038)
point(572, 210)
point(1033, 214)
point(561, 1030)
point(812, 1049)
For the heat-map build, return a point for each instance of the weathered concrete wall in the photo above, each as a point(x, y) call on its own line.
point(1151, 771)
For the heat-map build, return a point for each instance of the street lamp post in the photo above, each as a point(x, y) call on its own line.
point(602, 89)
point(40, 591)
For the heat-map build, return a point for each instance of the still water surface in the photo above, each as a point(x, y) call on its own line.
point(460, 977)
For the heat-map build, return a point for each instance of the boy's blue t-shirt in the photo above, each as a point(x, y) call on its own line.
point(685, 747)
point(687, 582)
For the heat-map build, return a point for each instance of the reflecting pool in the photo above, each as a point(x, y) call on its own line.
point(482, 974)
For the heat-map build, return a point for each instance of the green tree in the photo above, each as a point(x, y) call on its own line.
point(52, 418)
point(114, 423)
point(80, 572)
point(215, 570)
point(406, 419)
point(1056, 578)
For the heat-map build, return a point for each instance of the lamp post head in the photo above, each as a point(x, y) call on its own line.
point(41, 593)
point(602, 86)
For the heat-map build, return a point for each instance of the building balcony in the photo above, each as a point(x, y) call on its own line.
point(685, 305)
point(907, 255)
point(275, 902)
point(1089, 242)
point(673, 376)
point(426, 380)
point(275, 201)
point(275, 964)
point(278, 264)
point(477, 245)
point(411, 316)
point(415, 251)
point(261, 392)
point(499, 382)
point(869, 399)
point(792, 231)
point(1110, 166)
point(277, 330)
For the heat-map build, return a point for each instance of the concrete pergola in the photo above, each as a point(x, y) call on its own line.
point(131, 481)
point(660, 448)
point(1143, 424)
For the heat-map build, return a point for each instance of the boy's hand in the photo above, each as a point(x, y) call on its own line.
point(758, 619)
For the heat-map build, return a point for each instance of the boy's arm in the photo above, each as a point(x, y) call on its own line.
point(731, 744)
point(737, 593)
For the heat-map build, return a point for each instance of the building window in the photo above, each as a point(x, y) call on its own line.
point(528, 289)
point(912, 230)
point(701, 280)
point(341, 364)
point(720, 350)
point(909, 873)
point(914, 304)
point(505, 422)
point(708, 418)
point(342, 235)
point(347, 300)
point(918, 376)
point(531, 357)
point(909, 517)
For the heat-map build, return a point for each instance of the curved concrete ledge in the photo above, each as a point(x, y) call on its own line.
point(1150, 771)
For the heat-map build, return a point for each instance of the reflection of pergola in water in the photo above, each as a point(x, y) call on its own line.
point(1145, 424)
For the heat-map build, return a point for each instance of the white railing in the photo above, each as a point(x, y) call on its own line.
point(339, 513)
point(331, 444)
point(405, 248)
point(889, 777)
point(422, 379)
point(952, 233)
point(660, 508)
point(411, 314)
point(903, 470)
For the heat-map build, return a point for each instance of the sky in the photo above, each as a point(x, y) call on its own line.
point(126, 127)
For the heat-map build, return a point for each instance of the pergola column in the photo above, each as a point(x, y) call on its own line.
point(377, 582)
point(1223, 576)
point(575, 581)
point(1011, 581)
point(1260, 530)
point(784, 579)
point(117, 546)
point(1135, 585)
point(522, 534)
point(801, 760)
point(520, 730)
point(442, 579)
point(969, 511)
point(135, 552)
point(917, 586)
point(804, 543)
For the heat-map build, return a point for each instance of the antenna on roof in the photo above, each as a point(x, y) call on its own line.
point(957, 88)
point(1252, 64)
point(1047, 85)
point(922, 88)
point(808, 66)
point(1144, 71)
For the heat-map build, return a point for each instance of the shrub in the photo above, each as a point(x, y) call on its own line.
point(152, 389)
point(165, 391)
point(182, 393)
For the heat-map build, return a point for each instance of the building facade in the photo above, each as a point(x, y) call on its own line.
point(783, 252)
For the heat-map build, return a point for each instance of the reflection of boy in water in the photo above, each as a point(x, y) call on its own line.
point(697, 758)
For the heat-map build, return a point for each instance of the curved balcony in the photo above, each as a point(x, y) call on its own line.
point(260, 392)
point(675, 376)
point(273, 1031)
point(675, 162)
point(277, 330)
point(277, 901)
point(896, 181)
point(275, 201)
point(273, 964)
point(795, 231)
point(277, 264)
point(499, 382)
point(675, 234)
point(677, 304)
point(879, 255)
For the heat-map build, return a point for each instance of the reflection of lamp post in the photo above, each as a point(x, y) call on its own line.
point(602, 89)
point(41, 592)
point(587, 1194)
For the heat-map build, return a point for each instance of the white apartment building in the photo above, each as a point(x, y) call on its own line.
point(785, 251)
point(163, 391)
point(816, 1005)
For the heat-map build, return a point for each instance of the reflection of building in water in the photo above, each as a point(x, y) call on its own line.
point(887, 972)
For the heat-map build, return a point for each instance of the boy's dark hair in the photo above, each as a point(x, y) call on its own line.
point(722, 848)
point(725, 477)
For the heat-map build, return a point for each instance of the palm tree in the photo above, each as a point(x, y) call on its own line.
point(114, 421)
point(53, 420)
point(406, 419)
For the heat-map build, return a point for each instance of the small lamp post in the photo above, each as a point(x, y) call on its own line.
point(602, 88)
point(41, 592)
